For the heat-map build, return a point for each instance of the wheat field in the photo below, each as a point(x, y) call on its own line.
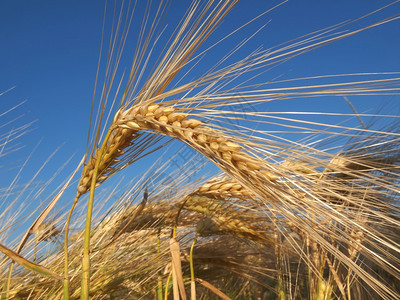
point(212, 183)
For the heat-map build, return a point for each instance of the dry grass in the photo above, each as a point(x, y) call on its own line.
point(274, 218)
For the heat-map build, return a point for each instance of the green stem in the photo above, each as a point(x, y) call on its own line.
point(191, 257)
point(159, 280)
point(192, 282)
point(6, 288)
point(86, 246)
point(167, 286)
point(66, 278)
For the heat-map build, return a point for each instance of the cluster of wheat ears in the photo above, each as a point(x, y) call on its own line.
point(275, 218)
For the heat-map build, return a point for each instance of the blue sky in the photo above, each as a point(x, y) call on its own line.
point(49, 52)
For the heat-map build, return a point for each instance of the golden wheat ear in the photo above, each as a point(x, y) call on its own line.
point(287, 219)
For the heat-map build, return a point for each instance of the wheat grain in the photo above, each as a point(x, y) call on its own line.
point(120, 139)
point(212, 143)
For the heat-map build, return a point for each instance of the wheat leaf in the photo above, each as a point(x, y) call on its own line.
point(213, 289)
point(28, 264)
point(176, 265)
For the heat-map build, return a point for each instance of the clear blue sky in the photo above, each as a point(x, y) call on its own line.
point(49, 51)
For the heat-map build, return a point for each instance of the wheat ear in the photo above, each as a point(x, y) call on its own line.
point(212, 143)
